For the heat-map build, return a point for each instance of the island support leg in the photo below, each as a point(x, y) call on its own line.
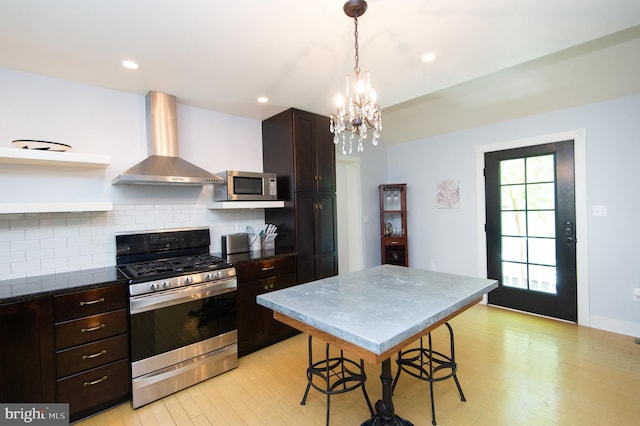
point(384, 408)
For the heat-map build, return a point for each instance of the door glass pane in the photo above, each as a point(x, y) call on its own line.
point(514, 249)
point(541, 223)
point(543, 278)
point(514, 275)
point(542, 251)
point(513, 197)
point(540, 168)
point(527, 191)
point(514, 223)
point(541, 196)
point(512, 171)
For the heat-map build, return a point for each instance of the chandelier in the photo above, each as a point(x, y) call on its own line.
point(357, 111)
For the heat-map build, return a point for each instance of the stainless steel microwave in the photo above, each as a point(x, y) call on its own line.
point(246, 186)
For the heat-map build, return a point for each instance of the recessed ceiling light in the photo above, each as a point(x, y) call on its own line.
point(428, 57)
point(130, 64)
point(263, 99)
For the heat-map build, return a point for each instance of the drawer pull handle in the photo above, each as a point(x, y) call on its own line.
point(92, 302)
point(95, 382)
point(102, 352)
point(85, 330)
point(268, 268)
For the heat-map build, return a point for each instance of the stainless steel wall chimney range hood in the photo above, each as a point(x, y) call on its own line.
point(163, 166)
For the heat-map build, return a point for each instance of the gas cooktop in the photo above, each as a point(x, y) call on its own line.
point(164, 268)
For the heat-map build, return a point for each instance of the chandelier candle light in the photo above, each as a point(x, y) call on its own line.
point(360, 112)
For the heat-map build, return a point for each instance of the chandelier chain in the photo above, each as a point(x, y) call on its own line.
point(356, 68)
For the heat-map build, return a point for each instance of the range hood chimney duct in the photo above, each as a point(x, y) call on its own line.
point(163, 166)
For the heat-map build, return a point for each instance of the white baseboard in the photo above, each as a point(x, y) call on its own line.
point(615, 326)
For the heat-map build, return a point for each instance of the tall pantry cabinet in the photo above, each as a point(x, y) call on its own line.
point(298, 147)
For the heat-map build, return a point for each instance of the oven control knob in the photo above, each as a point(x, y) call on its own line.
point(166, 284)
point(218, 275)
point(208, 277)
point(188, 280)
point(154, 286)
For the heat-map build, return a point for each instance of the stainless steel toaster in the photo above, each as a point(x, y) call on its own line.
point(235, 243)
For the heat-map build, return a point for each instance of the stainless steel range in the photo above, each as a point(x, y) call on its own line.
point(182, 310)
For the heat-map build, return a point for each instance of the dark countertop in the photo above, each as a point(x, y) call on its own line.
point(23, 289)
point(254, 256)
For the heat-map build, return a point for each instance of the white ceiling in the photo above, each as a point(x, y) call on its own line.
point(223, 55)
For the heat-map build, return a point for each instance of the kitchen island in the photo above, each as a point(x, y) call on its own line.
point(376, 312)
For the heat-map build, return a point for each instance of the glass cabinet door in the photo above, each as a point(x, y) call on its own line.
point(393, 224)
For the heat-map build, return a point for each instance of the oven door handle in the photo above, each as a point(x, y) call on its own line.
point(148, 302)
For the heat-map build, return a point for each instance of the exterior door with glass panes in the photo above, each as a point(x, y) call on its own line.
point(530, 229)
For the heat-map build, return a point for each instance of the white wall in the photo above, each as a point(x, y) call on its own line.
point(99, 121)
point(448, 238)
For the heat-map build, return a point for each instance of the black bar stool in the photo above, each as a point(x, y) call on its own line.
point(426, 364)
point(335, 375)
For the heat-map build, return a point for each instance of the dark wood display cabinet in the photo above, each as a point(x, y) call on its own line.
point(92, 349)
point(298, 147)
point(256, 326)
point(393, 224)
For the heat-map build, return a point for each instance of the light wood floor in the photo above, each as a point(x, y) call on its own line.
point(514, 369)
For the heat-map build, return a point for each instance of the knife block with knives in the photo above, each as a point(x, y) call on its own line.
point(268, 237)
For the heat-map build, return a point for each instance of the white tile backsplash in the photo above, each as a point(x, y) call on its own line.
point(45, 243)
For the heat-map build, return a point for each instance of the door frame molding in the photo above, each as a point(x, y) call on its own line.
point(582, 261)
point(349, 207)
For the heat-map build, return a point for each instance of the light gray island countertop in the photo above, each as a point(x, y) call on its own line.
point(377, 310)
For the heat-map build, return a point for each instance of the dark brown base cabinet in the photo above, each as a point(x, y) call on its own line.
point(69, 348)
point(27, 366)
point(92, 352)
point(256, 327)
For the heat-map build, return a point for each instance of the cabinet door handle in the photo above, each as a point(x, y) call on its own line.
point(92, 302)
point(85, 330)
point(395, 242)
point(102, 352)
point(268, 268)
point(95, 382)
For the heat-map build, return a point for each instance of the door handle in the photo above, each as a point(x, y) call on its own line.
point(569, 232)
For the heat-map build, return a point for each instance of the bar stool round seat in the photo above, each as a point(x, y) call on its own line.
point(429, 365)
point(333, 375)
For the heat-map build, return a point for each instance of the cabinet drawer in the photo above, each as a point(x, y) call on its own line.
point(91, 355)
point(277, 283)
point(252, 271)
point(94, 388)
point(89, 302)
point(394, 241)
point(89, 329)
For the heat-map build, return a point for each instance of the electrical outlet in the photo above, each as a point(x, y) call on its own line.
point(239, 227)
point(599, 210)
point(636, 294)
